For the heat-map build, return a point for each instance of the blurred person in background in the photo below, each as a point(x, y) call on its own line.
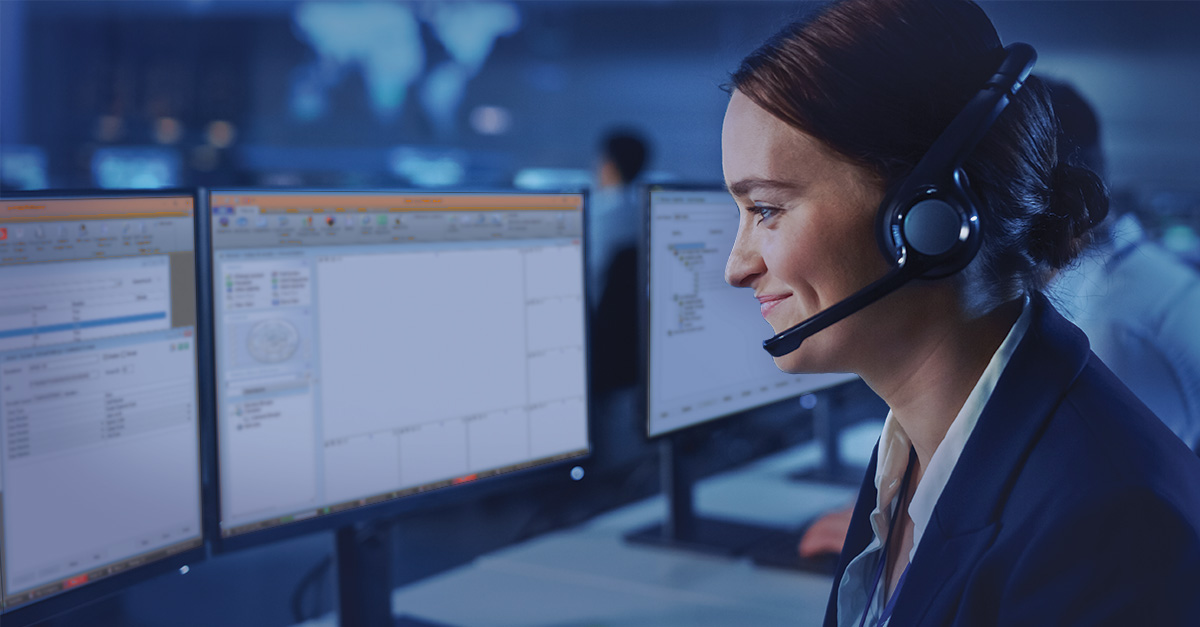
point(1138, 303)
point(613, 228)
point(615, 201)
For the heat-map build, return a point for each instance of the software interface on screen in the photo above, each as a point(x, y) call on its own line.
point(99, 451)
point(371, 346)
point(705, 338)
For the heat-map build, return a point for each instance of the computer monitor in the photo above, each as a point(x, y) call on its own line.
point(372, 346)
point(704, 338)
point(704, 359)
point(100, 462)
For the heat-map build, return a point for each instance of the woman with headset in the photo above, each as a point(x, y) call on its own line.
point(1016, 480)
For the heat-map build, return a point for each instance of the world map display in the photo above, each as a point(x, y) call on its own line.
point(385, 45)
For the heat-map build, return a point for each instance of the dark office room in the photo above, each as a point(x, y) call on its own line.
point(658, 313)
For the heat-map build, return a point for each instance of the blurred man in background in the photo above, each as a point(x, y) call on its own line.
point(613, 228)
point(615, 202)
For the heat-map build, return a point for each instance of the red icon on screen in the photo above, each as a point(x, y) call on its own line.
point(3, 234)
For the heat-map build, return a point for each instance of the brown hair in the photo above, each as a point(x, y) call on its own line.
point(878, 80)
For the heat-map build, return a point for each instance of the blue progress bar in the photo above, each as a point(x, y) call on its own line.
point(87, 324)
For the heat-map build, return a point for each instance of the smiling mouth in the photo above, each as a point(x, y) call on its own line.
point(767, 303)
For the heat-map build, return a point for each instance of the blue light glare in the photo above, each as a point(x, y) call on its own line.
point(23, 167)
point(425, 168)
point(552, 179)
point(136, 167)
point(808, 401)
point(1181, 239)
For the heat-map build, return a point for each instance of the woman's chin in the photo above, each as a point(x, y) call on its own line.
point(817, 355)
point(794, 363)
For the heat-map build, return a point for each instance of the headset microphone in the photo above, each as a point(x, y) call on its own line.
point(929, 227)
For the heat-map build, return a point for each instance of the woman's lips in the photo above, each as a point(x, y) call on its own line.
point(768, 302)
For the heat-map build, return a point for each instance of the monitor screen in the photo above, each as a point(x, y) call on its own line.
point(371, 346)
point(100, 448)
point(704, 337)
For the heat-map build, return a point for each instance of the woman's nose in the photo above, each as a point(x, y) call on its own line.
point(745, 263)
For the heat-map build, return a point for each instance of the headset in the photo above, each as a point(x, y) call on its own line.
point(929, 227)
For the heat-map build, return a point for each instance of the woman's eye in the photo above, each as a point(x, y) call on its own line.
point(765, 212)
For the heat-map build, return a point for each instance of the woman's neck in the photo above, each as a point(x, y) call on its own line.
point(927, 383)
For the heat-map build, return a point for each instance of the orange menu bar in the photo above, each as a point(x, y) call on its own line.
point(48, 209)
point(346, 203)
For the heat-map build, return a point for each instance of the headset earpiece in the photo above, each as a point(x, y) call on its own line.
point(932, 227)
point(937, 230)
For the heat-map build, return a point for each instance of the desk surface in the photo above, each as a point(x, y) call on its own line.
point(589, 576)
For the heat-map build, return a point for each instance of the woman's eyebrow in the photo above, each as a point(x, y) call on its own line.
point(744, 187)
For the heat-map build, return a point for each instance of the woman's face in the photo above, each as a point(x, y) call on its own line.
point(805, 235)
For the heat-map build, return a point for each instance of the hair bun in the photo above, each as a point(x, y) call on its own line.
point(1078, 202)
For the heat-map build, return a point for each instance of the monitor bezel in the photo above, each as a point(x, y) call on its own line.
point(703, 428)
point(526, 478)
point(75, 598)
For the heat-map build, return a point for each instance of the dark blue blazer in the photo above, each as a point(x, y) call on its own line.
point(1071, 504)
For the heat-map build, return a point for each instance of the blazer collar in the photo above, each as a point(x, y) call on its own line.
point(965, 521)
point(966, 518)
point(1041, 370)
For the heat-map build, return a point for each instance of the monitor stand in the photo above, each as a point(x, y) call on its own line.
point(364, 570)
point(832, 469)
point(683, 528)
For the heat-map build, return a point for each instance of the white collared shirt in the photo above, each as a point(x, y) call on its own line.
point(894, 446)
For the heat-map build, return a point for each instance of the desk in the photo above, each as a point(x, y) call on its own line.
point(589, 576)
